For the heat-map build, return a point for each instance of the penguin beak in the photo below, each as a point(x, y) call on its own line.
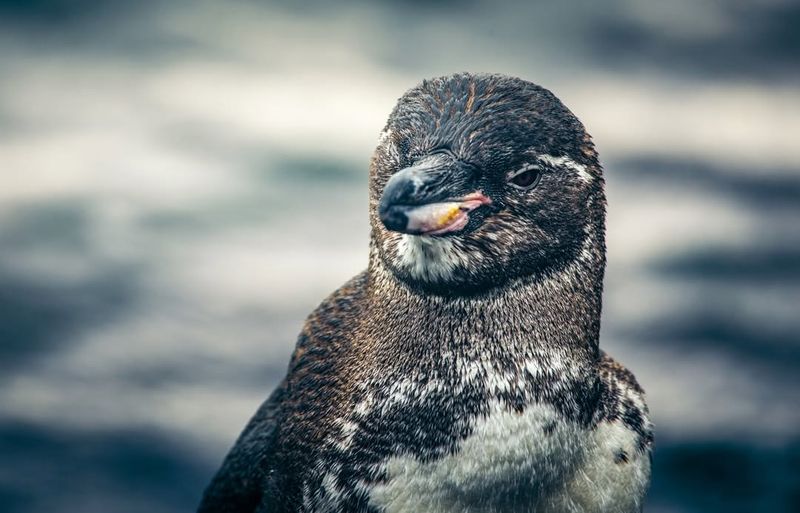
point(433, 197)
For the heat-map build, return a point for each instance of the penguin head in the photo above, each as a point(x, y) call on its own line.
point(479, 180)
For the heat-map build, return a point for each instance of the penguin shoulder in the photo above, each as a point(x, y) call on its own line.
point(615, 473)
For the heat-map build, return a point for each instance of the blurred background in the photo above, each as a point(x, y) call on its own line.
point(182, 182)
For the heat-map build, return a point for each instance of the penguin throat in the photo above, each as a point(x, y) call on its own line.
point(558, 310)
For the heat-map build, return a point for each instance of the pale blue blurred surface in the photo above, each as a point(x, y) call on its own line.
point(184, 181)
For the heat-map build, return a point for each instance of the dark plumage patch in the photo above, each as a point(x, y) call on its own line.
point(619, 387)
point(620, 457)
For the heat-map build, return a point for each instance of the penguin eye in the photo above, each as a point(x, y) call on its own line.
point(525, 178)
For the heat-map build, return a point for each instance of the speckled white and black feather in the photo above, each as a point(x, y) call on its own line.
point(460, 373)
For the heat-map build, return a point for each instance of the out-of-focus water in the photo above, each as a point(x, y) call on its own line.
point(184, 182)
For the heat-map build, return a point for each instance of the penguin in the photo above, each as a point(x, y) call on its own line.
point(461, 371)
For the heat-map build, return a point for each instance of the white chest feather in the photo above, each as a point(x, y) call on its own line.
point(532, 461)
point(509, 458)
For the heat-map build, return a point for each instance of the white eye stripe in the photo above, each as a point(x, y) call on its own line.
point(568, 163)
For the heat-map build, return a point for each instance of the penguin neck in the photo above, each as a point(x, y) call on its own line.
point(553, 314)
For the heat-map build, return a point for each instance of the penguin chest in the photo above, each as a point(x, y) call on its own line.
point(509, 462)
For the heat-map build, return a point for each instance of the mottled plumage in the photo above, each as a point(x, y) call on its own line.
point(461, 371)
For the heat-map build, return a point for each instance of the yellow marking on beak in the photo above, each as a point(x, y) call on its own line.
point(448, 216)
